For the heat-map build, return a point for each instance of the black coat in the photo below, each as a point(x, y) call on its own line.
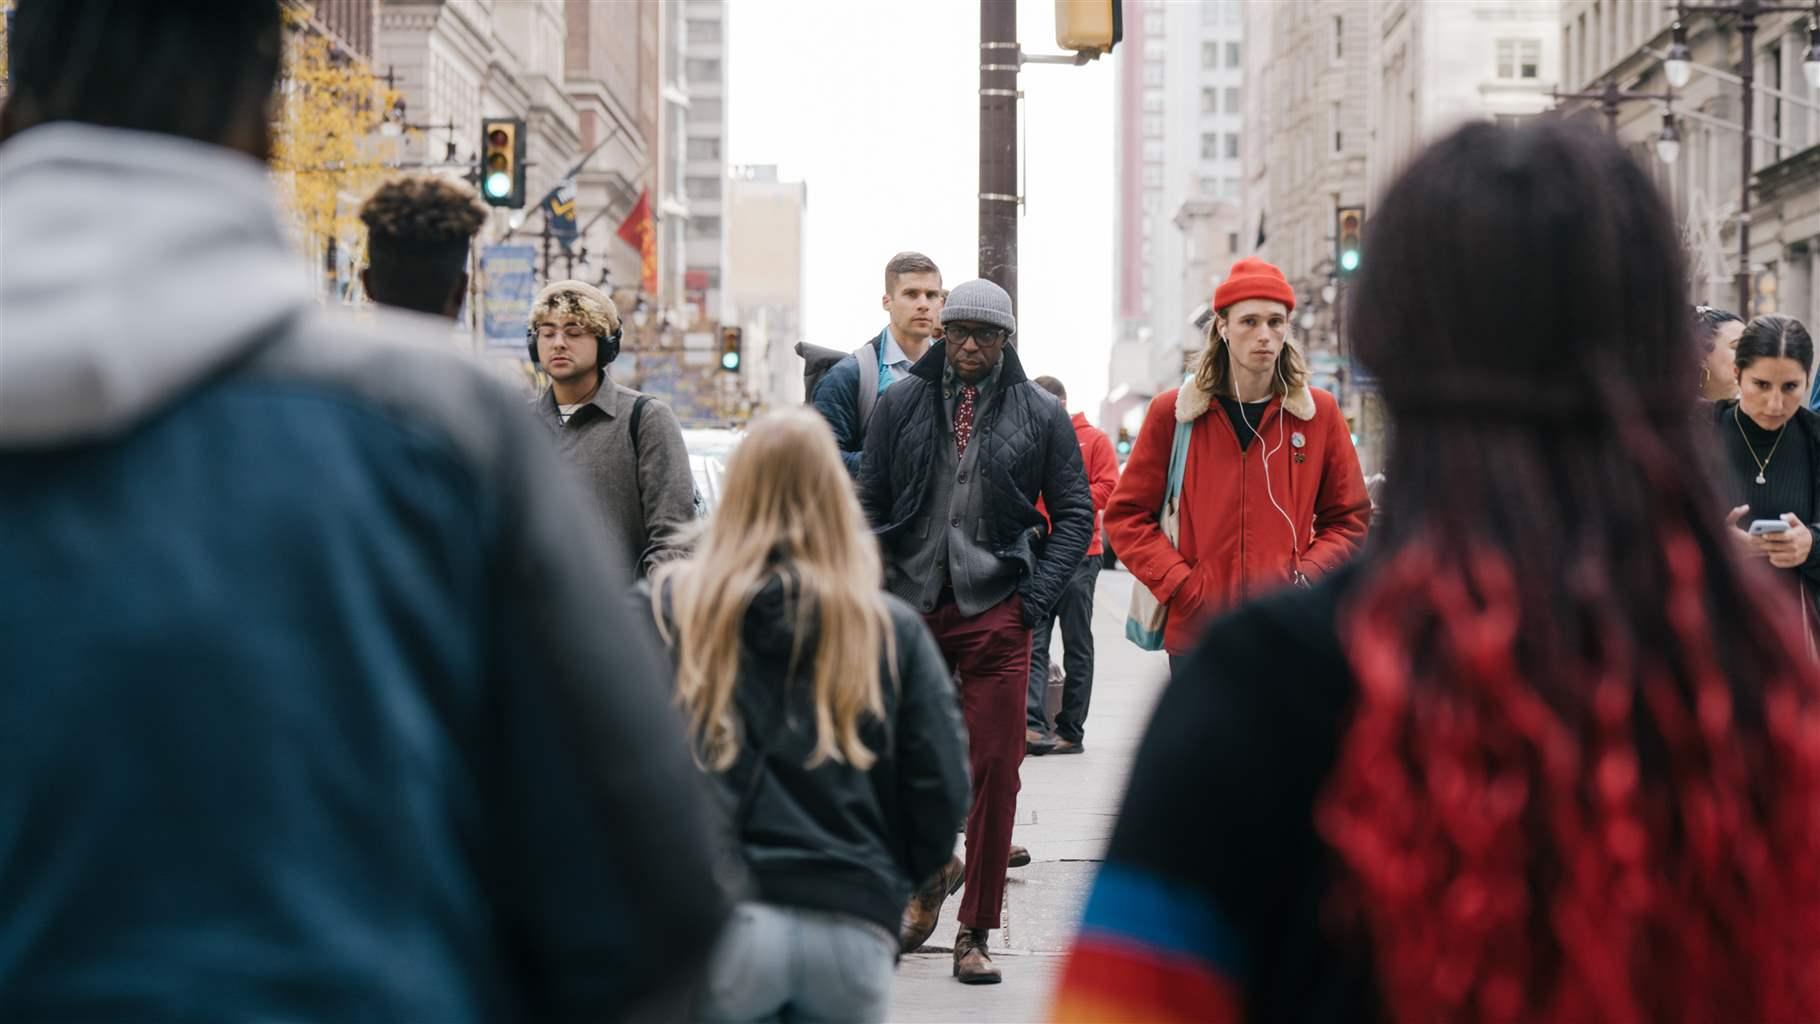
point(1027, 450)
point(832, 837)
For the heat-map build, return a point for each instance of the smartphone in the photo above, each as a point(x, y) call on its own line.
point(1761, 527)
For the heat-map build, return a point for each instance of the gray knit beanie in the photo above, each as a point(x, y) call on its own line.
point(980, 302)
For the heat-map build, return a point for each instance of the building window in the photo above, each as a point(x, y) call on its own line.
point(1232, 100)
point(704, 188)
point(1155, 49)
point(1335, 125)
point(1153, 100)
point(702, 69)
point(702, 111)
point(1232, 55)
point(1232, 146)
point(1210, 55)
point(1210, 145)
point(1153, 74)
point(704, 149)
point(704, 31)
point(1153, 176)
point(1153, 23)
point(1210, 186)
point(1153, 125)
point(1520, 59)
point(704, 227)
point(1153, 150)
point(1232, 241)
point(1210, 101)
point(1229, 188)
point(1339, 39)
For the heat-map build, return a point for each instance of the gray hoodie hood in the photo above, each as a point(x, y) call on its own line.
point(133, 266)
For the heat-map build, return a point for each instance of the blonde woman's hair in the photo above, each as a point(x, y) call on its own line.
point(1214, 373)
point(787, 510)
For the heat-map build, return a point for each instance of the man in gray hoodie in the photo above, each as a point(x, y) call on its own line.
point(316, 704)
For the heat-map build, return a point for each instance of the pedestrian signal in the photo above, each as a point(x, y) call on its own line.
point(1094, 26)
point(730, 343)
point(502, 162)
point(1124, 445)
point(1349, 238)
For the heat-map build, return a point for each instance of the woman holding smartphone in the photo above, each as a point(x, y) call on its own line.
point(1771, 441)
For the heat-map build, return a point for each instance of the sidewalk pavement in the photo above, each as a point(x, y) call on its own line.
point(1065, 813)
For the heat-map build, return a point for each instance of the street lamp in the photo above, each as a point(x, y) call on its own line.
point(1746, 12)
point(1668, 143)
point(1679, 68)
point(1610, 98)
point(1810, 65)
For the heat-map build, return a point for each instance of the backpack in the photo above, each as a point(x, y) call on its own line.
point(817, 361)
point(638, 415)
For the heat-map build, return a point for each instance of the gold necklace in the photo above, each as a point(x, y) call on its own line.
point(1763, 463)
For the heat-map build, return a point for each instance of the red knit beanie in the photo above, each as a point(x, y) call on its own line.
point(1252, 278)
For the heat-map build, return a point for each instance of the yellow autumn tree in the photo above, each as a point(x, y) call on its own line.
point(327, 152)
point(5, 43)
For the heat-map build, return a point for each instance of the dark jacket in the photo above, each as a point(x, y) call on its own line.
point(314, 706)
point(837, 399)
point(1216, 898)
point(1028, 451)
point(832, 837)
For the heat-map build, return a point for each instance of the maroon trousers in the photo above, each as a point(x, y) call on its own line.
point(991, 652)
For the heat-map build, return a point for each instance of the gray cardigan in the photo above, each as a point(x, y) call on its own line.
point(645, 497)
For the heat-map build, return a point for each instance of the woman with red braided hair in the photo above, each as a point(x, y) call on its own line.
point(1550, 750)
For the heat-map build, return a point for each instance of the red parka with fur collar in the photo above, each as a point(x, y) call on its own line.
point(1294, 499)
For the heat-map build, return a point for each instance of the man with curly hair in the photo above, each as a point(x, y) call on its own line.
point(418, 231)
point(627, 446)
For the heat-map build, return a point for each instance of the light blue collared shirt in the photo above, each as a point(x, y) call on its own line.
point(892, 360)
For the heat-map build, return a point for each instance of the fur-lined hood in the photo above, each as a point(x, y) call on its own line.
point(1192, 401)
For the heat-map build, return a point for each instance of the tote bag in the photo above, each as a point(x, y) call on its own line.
point(1144, 623)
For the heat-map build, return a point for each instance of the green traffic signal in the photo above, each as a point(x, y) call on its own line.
point(1349, 260)
point(729, 361)
point(499, 185)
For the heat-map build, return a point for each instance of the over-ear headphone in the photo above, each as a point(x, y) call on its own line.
point(609, 344)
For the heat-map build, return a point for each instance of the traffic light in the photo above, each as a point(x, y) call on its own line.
point(502, 161)
point(1124, 441)
point(1095, 26)
point(730, 342)
point(1349, 239)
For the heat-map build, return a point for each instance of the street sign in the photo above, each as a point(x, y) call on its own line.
point(509, 280)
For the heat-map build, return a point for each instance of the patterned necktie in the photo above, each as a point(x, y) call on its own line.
point(963, 419)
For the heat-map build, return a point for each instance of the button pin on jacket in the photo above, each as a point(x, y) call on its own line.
point(1297, 440)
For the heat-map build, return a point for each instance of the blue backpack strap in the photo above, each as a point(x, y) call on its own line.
point(1178, 459)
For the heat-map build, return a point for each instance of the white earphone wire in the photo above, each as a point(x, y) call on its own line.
point(1295, 538)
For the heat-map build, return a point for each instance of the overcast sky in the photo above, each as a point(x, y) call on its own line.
point(874, 104)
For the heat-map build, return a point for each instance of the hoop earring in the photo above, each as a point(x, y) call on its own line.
point(1706, 376)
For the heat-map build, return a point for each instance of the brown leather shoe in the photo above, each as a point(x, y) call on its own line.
point(972, 964)
point(926, 906)
point(1036, 743)
point(1020, 856)
point(1067, 747)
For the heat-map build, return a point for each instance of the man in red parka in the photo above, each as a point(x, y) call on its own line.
point(1272, 493)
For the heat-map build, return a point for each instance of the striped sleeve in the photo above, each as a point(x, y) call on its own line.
point(1150, 951)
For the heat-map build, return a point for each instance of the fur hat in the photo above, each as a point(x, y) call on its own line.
point(578, 301)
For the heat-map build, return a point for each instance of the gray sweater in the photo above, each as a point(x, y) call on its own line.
point(645, 497)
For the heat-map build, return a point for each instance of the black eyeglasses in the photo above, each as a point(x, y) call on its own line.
point(982, 335)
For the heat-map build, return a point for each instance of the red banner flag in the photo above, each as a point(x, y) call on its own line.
point(640, 229)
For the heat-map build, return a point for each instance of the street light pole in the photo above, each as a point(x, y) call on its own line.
point(998, 145)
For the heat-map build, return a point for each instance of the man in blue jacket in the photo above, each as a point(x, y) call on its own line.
point(321, 701)
point(913, 301)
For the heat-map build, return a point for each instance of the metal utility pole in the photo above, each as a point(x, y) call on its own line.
point(998, 144)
